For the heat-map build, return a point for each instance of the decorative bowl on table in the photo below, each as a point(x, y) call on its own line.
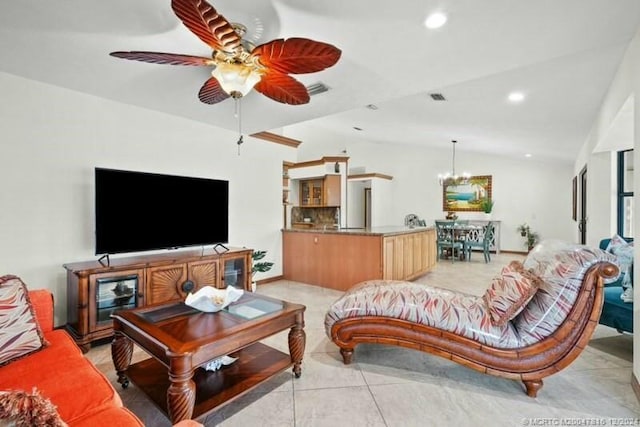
point(211, 300)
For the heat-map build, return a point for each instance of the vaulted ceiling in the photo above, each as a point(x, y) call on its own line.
point(561, 54)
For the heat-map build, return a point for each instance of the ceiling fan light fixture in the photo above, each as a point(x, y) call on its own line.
point(236, 79)
point(239, 65)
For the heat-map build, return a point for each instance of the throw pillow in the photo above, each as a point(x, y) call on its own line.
point(623, 251)
point(510, 292)
point(20, 333)
point(21, 409)
point(615, 242)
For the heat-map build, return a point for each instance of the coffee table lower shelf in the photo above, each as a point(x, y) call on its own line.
point(255, 365)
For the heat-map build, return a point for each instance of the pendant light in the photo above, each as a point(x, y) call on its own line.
point(451, 178)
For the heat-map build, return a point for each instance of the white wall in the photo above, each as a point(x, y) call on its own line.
point(52, 139)
point(524, 190)
point(625, 84)
point(601, 197)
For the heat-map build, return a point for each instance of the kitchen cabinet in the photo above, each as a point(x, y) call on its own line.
point(320, 192)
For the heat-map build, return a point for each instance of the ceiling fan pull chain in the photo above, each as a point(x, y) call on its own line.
point(238, 114)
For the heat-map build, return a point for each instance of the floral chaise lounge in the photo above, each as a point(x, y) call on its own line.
point(533, 320)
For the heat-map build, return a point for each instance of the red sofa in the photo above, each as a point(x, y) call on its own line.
point(59, 372)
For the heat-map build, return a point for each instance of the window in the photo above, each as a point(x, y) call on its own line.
point(625, 193)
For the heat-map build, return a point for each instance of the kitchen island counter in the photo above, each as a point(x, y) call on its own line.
point(340, 258)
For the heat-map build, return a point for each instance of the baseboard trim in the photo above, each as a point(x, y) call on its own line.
point(514, 252)
point(635, 385)
point(269, 280)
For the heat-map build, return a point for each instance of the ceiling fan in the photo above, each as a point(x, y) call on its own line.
point(238, 66)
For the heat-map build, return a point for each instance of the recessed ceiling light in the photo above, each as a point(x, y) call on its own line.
point(435, 20)
point(527, 155)
point(372, 106)
point(357, 128)
point(516, 97)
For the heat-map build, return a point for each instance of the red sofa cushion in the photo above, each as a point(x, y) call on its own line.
point(108, 417)
point(42, 303)
point(62, 374)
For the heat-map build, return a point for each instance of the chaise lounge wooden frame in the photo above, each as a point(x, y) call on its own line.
point(528, 364)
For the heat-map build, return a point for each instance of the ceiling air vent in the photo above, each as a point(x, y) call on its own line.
point(316, 88)
point(437, 97)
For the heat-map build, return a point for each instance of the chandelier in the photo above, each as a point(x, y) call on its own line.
point(451, 178)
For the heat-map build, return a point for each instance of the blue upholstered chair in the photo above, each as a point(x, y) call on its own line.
point(615, 312)
point(485, 244)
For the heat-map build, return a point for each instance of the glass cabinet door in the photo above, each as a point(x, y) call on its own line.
point(305, 197)
point(234, 273)
point(311, 192)
point(115, 293)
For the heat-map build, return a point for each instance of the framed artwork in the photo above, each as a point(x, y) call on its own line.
point(574, 211)
point(466, 195)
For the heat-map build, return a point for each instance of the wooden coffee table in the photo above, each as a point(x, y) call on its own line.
point(182, 340)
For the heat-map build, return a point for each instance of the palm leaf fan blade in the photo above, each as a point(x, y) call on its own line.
point(282, 88)
point(211, 92)
point(207, 24)
point(164, 58)
point(297, 55)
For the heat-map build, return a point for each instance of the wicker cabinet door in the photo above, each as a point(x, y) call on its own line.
point(165, 283)
point(204, 273)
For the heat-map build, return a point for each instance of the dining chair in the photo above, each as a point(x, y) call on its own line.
point(446, 239)
point(484, 244)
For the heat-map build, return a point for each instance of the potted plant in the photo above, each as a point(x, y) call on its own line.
point(531, 237)
point(259, 267)
point(523, 229)
point(486, 204)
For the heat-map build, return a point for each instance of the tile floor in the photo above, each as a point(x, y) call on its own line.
point(389, 386)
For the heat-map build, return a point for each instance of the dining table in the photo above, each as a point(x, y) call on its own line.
point(457, 231)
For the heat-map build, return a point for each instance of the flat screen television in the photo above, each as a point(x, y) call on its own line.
point(138, 211)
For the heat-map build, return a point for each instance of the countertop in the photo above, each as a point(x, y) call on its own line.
point(375, 231)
